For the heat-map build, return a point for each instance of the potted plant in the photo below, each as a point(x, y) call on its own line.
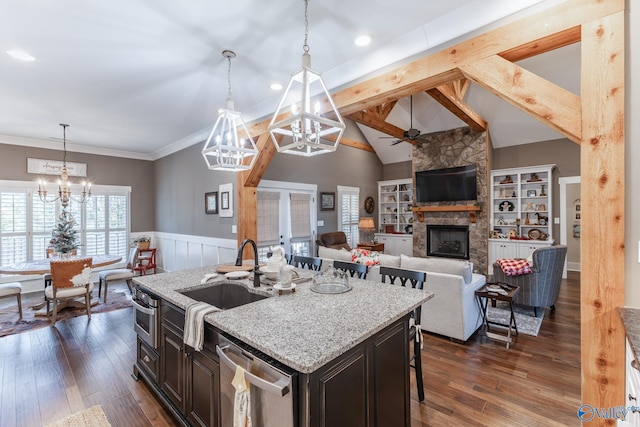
point(143, 242)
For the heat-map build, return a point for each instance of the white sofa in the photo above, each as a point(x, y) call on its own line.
point(453, 310)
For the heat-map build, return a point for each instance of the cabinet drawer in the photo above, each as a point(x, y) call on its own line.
point(148, 360)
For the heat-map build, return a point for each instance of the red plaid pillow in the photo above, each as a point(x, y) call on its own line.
point(514, 267)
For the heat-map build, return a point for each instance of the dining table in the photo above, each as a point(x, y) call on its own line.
point(43, 266)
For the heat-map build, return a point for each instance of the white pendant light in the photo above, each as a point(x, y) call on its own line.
point(225, 149)
point(306, 114)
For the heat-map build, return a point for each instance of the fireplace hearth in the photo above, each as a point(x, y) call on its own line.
point(448, 241)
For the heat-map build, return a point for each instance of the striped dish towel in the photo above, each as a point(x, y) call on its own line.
point(194, 323)
point(514, 267)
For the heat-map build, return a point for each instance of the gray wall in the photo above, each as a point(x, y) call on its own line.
point(400, 170)
point(101, 170)
point(564, 153)
point(182, 179)
point(347, 166)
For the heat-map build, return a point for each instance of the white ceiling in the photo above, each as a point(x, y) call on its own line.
point(145, 78)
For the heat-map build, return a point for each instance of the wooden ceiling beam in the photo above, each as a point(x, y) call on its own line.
point(447, 97)
point(374, 122)
point(546, 30)
point(550, 104)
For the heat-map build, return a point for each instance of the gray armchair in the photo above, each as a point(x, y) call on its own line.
point(540, 288)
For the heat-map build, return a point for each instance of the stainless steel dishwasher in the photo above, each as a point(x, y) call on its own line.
point(272, 388)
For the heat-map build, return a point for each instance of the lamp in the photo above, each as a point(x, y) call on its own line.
point(225, 150)
point(299, 115)
point(64, 187)
point(366, 224)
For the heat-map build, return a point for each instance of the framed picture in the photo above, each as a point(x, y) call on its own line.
point(327, 201)
point(211, 202)
point(531, 193)
point(224, 200)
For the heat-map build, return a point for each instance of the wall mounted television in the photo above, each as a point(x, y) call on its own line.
point(447, 185)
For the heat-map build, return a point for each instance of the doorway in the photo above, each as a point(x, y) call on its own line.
point(286, 217)
point(570, 219)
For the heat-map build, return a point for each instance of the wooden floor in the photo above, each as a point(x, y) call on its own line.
point(50, 373)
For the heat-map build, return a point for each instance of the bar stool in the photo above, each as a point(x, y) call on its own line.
point(12, 289)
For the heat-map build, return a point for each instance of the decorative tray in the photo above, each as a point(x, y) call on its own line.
point(330, 288)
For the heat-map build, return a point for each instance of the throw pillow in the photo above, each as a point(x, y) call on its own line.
point(364, 256)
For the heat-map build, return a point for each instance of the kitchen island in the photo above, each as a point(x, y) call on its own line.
point(355, 341)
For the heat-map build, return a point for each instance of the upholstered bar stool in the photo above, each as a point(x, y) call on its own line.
point(12, 289)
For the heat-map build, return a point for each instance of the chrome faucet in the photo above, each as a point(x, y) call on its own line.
point(256, 268)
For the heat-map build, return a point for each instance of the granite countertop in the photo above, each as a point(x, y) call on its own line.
point(631, 321)
point(302, 329)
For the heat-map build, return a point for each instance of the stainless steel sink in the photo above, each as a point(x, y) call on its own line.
point(224, 295)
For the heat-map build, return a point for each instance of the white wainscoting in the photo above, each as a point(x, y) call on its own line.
point(182, 251)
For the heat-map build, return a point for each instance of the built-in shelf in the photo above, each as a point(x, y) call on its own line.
point(472, 209)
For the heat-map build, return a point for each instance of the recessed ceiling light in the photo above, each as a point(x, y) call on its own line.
point(276, 86)
point(21, 55)
point(363, 40)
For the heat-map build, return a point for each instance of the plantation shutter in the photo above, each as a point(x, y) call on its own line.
point(300, 206)
point(349, 202)
point(268, 217)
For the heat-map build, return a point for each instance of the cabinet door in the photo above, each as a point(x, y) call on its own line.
point(339, 392)
point(404, 245)
point(203, 384)
point(498, 250)
point(389, 243)
point(526, 249)
point(172, 366)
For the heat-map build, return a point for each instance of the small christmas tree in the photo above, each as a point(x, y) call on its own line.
point(64, 237)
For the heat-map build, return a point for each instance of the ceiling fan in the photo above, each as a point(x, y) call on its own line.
point(411, 134)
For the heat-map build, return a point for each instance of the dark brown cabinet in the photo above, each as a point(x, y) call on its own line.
point(172, 366)
point(367, 386)
point(203, 381)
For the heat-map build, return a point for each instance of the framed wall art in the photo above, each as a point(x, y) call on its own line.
point(211, 202)
point(327, 201)
point(226, 200)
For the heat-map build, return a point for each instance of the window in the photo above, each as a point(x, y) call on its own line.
point(348, 213)
point(26, 222)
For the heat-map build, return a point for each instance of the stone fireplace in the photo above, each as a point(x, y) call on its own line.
point(448, 241)
point(456, 147)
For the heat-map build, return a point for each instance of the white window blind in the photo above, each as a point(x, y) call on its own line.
point(300, 215)
point(26, 222)
point(348, 213)
point(268, 218)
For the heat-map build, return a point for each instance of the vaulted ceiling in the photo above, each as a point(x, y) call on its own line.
point(143, 79)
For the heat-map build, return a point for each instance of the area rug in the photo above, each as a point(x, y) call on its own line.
point(527, 323)
point(92, 417)
point(10, 322)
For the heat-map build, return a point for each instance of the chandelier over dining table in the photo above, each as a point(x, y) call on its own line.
point(64, 186)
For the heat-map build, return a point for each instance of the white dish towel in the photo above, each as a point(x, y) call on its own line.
point(194, 323)
point(242, 399)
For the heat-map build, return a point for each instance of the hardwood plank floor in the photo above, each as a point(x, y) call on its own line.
point(50, 373)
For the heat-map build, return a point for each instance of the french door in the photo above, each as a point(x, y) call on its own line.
point(286, 217)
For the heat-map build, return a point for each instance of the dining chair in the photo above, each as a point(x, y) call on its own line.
point(352, 268)
point(307, 262)
point(416, 280)
point(70, 279)
point(125, 274)
point(12, 289)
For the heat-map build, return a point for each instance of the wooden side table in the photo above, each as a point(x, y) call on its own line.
point(378, 247)
point(501, 292)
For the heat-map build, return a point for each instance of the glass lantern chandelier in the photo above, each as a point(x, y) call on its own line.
point(64, 186)
point(225, 149)
point(299, 118)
